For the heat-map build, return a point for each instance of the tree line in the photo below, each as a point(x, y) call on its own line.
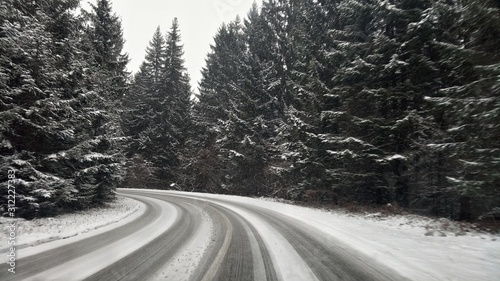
point(62, 78)
point(356, 101)
point(341, 102)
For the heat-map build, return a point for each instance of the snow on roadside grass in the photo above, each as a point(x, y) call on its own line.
point(43, 230)
point(428, 226)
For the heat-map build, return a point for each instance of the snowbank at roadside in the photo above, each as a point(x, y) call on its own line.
point(43, 230)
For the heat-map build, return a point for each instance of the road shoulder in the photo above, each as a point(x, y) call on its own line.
point(31, 233)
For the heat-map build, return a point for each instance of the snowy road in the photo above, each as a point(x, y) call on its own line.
point(182, 236)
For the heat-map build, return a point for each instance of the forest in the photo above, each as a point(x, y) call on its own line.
point(338, 102)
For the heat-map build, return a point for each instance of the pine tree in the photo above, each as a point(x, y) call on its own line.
point(219, 81)
point(146, 115)
point(362, 101)
point(105, 42)
point(159, 109)
point(466, 107)
point(179, 99)
point(263, 108)
point(55, 133)
point(106, 37)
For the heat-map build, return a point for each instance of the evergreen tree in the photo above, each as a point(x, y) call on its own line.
point(105, 42)
point(464, 167)
point(147, 114)
point(363, 101)
point(56, 129)
point(159, 109)
point(219, 81)
point(262, 106)
point(107, 39)
point(179, 100)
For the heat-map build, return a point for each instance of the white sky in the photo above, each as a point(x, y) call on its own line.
point(198, 23)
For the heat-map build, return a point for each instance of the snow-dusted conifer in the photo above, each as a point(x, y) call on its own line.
point(56, 128)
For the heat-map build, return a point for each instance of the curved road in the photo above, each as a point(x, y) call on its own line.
point(183, 236)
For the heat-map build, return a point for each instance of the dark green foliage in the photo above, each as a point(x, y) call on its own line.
point(350, 101)
point(57, 133)
point(238, 117)
point(372, 102)
point(158, 116)
point(467, 107)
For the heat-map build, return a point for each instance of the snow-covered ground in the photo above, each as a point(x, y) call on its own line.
point(40, 231)
point(182, 265)
point(418, 248)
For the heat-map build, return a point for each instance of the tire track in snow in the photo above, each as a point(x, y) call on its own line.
point(213, 270)
point(182, 265)
point(267, 253)
point(326, 259)
point(239, 254)
point(287, 263)
point(106, 260)
point(207, 238)
point(320, 257)
point(31, 261)
point(143, 262)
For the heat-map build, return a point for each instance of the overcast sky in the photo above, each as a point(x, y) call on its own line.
point(198, 22)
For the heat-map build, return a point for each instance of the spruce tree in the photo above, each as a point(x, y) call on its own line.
point(107, 38)
point(56, 129)
point(466, 108)
point(370, 102)
point(219, 81)
point(147, 113)
point(105, 42)
point(179, 100)
point(159, 110)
